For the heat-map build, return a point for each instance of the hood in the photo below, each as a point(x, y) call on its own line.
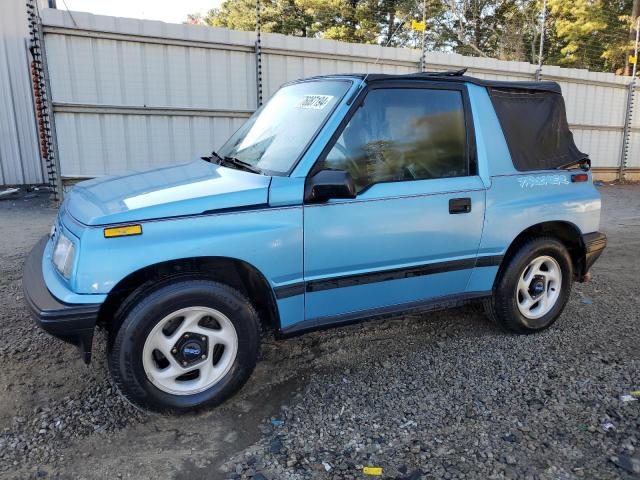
point(173, 191)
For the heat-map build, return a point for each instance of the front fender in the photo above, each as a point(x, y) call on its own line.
point(269, 239)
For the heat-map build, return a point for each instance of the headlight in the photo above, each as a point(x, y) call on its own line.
point(63, 254)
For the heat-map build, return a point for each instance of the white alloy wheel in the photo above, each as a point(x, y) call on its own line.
point(190, 350)
point(539, 287)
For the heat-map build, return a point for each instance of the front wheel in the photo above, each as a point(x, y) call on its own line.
point(184, 345)
point(533, 288)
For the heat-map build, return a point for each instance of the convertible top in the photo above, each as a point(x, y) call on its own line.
point(459, 77)
point(534, 123)
point(455, 76)
point(532, 116)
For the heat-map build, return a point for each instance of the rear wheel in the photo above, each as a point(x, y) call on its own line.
point(532, 289)
point(184, 345)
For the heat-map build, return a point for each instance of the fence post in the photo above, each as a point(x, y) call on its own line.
point(258, 47)
point(44, 106)
point(542, 20)
point(626, 133)
point(628, 114)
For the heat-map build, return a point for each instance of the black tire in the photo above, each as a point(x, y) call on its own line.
point(502, 307)
point(146, 308)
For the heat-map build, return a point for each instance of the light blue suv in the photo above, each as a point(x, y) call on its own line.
point(345, 197)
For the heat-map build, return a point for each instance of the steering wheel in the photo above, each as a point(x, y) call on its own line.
point(343, 151)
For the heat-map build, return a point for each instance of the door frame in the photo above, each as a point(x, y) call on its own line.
point(470, 138)
point(437, 267)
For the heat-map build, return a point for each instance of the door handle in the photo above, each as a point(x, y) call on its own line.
point(459, 205)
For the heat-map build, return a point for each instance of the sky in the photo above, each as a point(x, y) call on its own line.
point(172, 11)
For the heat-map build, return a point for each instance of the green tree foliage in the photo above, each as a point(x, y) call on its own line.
point(347, 20)
point(590, 34)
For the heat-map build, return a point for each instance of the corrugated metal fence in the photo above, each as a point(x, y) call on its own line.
point(131, 94)
point(20, 161)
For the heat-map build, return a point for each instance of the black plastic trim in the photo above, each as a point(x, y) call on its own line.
point(246, 208)
point(595, 241)
point(421, 306)
point(289, 290)
point(489, 261)
point(385, 275)
point(594, 245)
point(71, 323)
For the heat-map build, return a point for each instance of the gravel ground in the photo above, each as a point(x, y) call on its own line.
point(442, 395)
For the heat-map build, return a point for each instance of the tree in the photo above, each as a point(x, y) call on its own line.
point(348, 20)
point(464, 26)
point(592, 34)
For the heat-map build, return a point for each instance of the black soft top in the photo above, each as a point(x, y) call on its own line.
point(532, 115)
point(459, 77)
point(455, 76)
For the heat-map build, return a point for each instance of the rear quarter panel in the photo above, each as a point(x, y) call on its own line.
point(517, 200)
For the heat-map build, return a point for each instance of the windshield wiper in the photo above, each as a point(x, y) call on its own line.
point(214, 158)
point(231, 162)
point(240, 164)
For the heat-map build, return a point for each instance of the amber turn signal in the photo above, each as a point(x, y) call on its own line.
point(123, 231)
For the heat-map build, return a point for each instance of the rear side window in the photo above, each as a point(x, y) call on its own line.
point(403, 134)
point(536, 129)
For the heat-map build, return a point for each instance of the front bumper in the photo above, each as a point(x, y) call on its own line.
point(594, 245)
point(73, 323)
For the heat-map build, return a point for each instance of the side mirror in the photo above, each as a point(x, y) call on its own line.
point(328, 184)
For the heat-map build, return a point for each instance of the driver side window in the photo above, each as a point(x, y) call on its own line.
point(402, 134)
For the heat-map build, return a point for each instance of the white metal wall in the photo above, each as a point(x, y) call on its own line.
point(20, 161)
point(131, 94)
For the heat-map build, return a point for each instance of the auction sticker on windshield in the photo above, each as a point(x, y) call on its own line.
point(317, 102)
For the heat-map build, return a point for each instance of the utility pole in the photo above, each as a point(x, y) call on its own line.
point(635, 48)
point(258, 48)
point(635, 14)
point(542, 20)
point(423, 57)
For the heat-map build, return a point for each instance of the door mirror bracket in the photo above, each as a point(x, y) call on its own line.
point(327, 184)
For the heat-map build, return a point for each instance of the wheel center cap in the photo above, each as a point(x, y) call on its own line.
point(537, 287)
point(191, 350)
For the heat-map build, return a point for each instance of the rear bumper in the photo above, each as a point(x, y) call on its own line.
point(594, 245)
point(73, 323)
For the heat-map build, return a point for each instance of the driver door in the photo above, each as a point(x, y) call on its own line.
point(412, 233)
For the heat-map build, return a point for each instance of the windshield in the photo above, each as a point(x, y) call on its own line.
point(276, 135)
